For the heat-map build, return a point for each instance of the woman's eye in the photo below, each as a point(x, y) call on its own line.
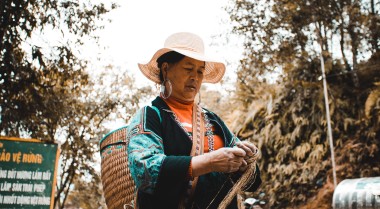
point(200, 72)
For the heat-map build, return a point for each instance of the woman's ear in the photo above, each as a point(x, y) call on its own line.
point(165, 68)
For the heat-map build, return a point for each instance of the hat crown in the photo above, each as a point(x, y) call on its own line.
point(189, 45)
point(185, 41)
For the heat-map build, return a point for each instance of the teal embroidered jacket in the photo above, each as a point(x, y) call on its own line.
point(159, 158)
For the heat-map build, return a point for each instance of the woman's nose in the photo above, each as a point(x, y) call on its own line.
point(194, 75)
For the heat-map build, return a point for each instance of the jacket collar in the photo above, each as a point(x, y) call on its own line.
point(160, 103)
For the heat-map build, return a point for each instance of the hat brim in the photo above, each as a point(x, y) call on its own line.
point(214, 70)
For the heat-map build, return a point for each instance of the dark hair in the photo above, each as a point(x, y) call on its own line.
point(171, 57)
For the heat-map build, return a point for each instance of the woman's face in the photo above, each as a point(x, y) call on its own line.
point(186, 78)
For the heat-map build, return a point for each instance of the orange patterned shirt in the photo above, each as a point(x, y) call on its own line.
point(184, 113)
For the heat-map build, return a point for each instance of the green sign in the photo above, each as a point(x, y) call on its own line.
point(27, 173)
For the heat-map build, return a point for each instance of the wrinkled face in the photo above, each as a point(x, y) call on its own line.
point(186, 78)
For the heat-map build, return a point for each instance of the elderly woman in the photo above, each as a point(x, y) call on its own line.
point(181, 155)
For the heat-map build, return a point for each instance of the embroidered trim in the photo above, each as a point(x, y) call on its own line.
point(180, 125)
point(199, 138)
point(209, 133)
point(133, 132)
point(208, 126)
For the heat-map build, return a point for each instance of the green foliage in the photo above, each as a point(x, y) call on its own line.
point(34, 83)
point(292, 135)
point(287, 119)
point(277, 33)
point(46, 92)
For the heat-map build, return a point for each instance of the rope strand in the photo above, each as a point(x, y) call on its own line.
point(244, 181)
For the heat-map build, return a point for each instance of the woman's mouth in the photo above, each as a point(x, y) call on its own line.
point(191, 87)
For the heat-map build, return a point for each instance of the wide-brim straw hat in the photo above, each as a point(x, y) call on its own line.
point(190, 45)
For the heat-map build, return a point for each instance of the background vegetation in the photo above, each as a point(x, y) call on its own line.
point(48, 93)
point(286, 116)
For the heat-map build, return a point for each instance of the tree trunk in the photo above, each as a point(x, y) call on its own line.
point(341, 27)
point(375, 33)
point(355, 39)
point(66, 183)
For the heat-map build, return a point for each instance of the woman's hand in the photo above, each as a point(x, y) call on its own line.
point(225, 159)
point(250, 150)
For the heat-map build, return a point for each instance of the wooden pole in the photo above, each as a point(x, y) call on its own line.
point(328, 117)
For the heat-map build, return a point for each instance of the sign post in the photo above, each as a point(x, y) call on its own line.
point(28, 169)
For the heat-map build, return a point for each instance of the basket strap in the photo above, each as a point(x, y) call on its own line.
point(198, 142)
point(198, 131)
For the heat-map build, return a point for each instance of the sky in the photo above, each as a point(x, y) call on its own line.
point(140, 27)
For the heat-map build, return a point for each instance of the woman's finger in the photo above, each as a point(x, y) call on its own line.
point(237, 151)
point(246, 148)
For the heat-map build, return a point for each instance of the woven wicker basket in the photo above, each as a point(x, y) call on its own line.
point(118, 185)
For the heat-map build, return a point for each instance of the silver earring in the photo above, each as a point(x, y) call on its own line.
point(163, 89)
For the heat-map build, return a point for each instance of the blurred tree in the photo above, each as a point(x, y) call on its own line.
point(217, 102)
point(285, 116)
point(279, 32)
point(82, 196)
point(112, 97)
point(32, 78)
point(46, 91)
